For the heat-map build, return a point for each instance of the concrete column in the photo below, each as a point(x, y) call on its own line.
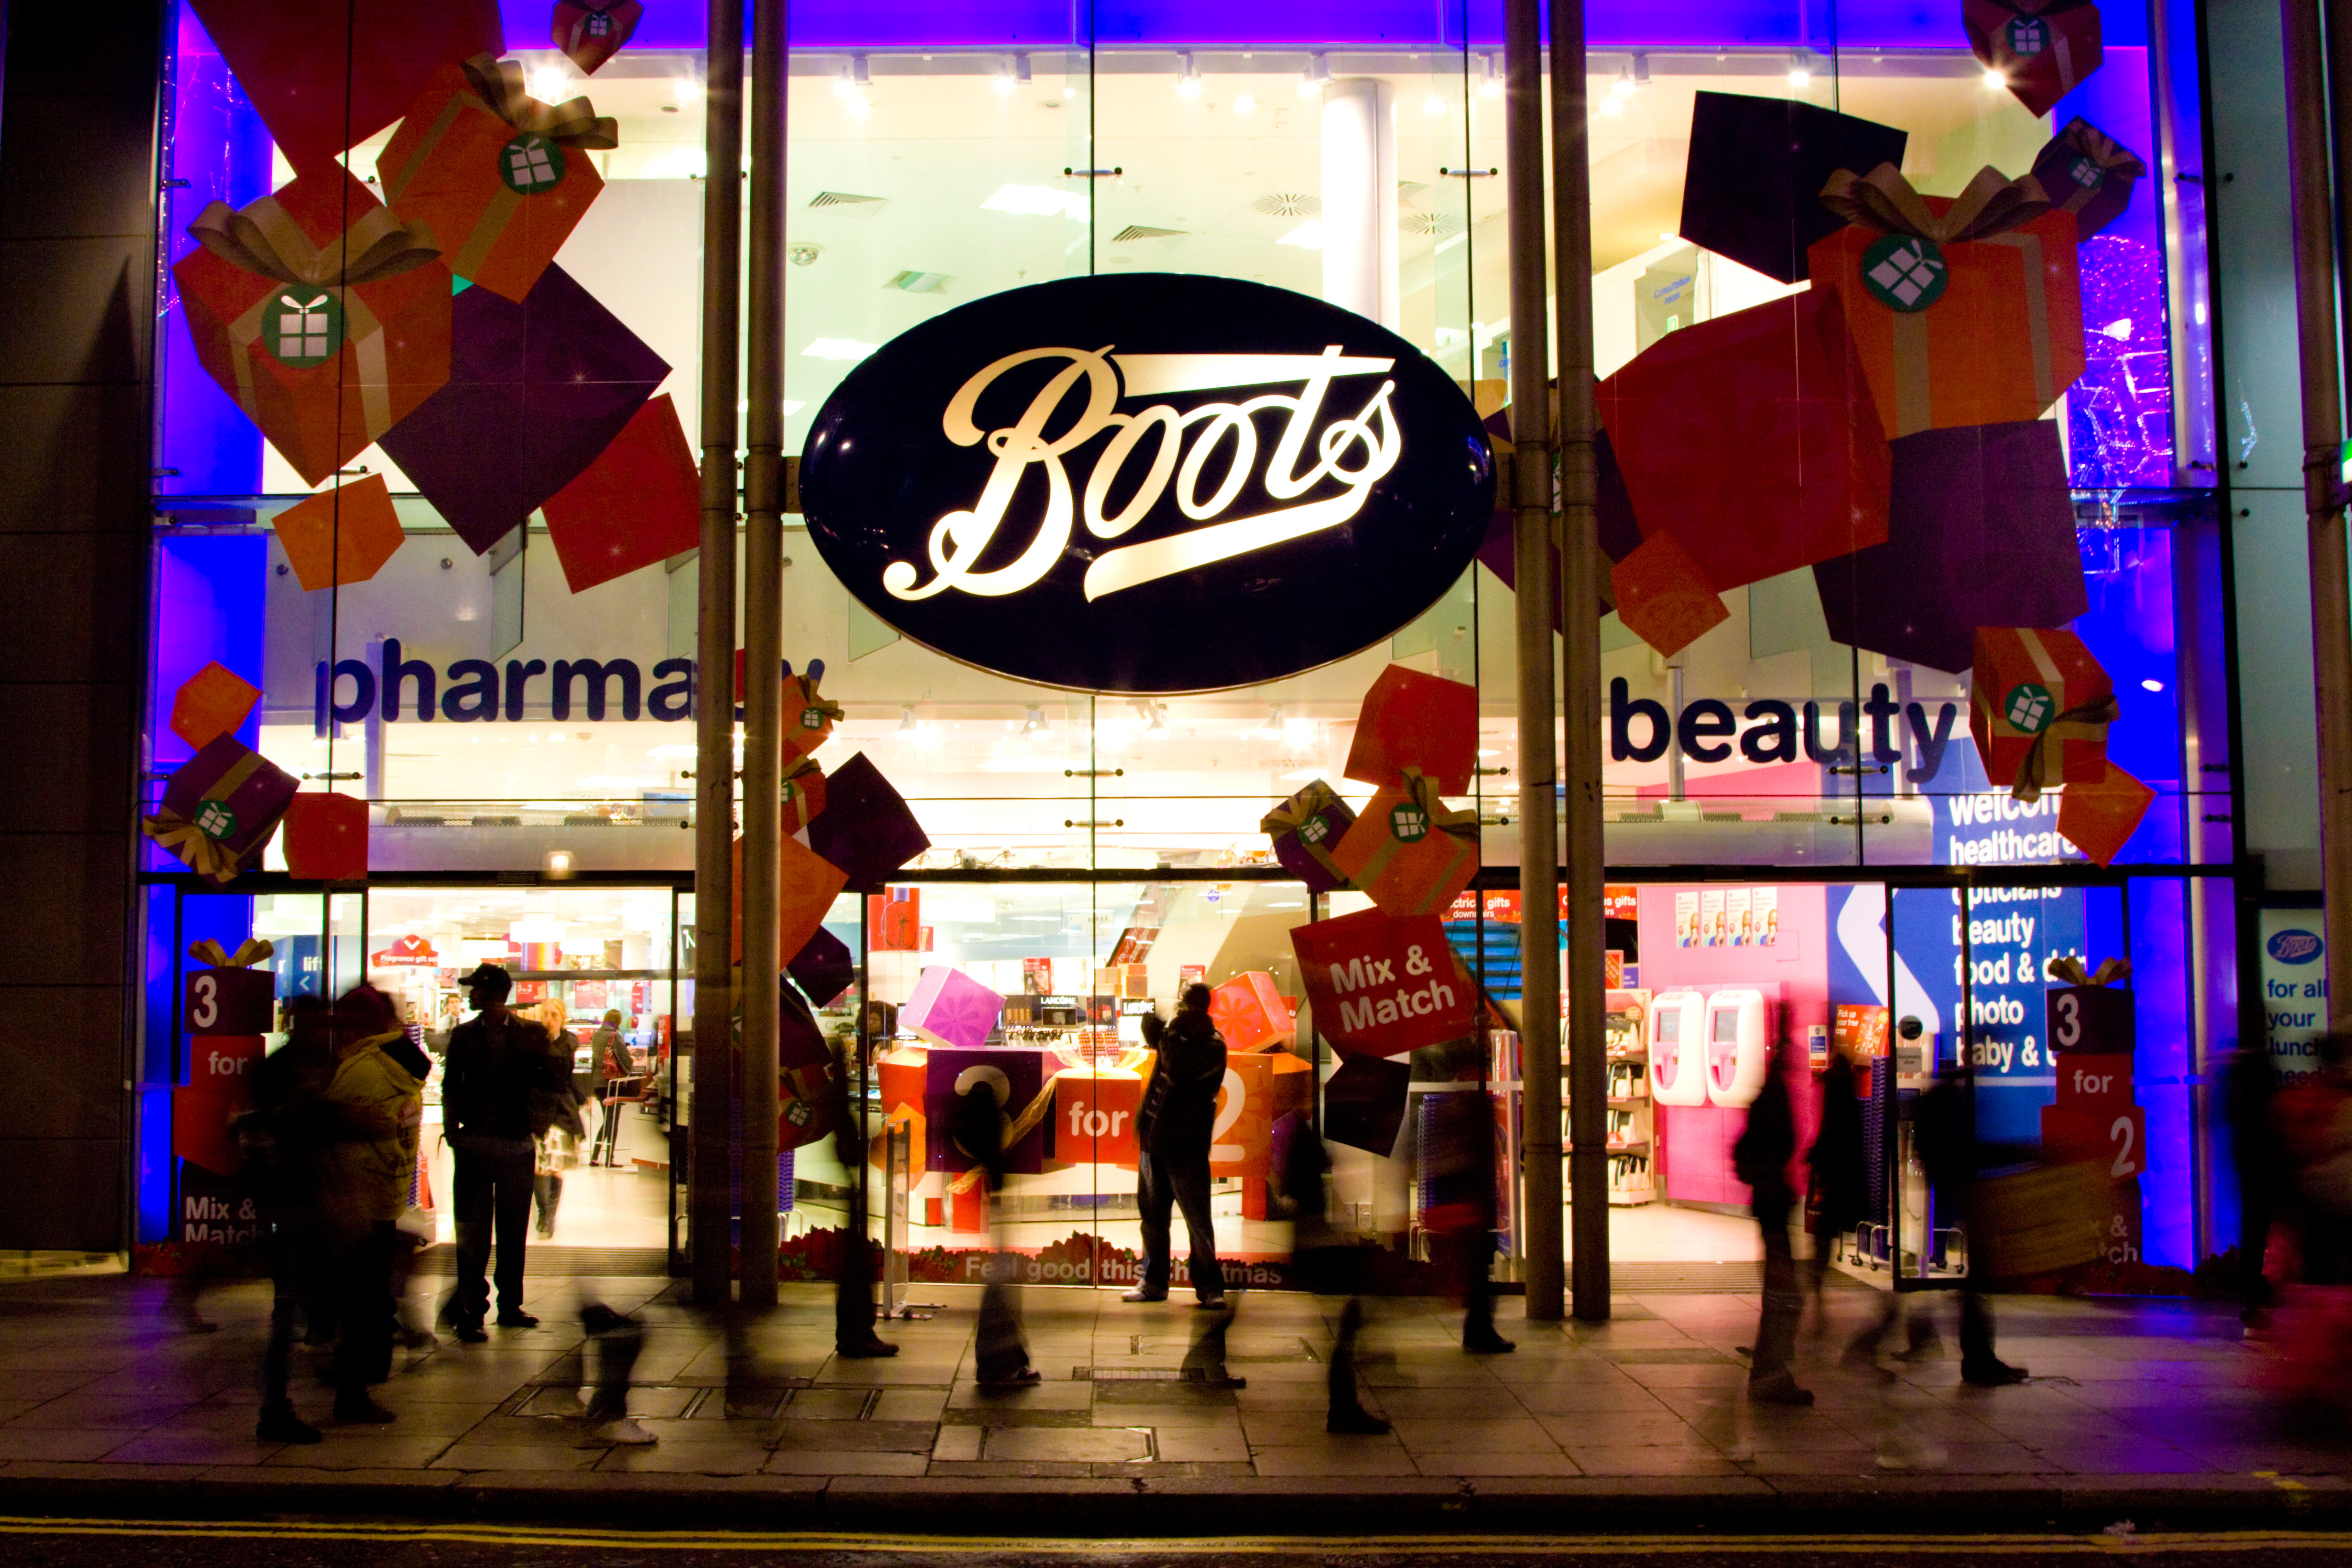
point(1360, 198)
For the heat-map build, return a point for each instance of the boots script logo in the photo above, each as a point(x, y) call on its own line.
point(1147, 484)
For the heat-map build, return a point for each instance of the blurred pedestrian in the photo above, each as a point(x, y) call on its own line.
point(1327, 1264)
point(1945, 1128)
point(617, 1073)
point(283, 1139)
point(1000, 1349)
point(1457, 1154)
point(853, 1296)
point(614, 1339)
point(364, 1188)
point(1172, 1130)
point(1841, 1174)
point(1761, 1160)
point(2315, 1121)
point(502, 1075)
point(2250, 1090)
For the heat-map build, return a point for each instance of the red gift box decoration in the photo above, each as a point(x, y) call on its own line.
point(2039, 708)
point(343, 534)
point(1413, 721)
point(219, 1087)
point(323, 315)
point(1963, 311)
point(220, 808)
point(590, 35)
point(2043, 48)
point(1093, 1118)
point(803, 792)
point(1755, 436)
point(640, 502)
point(2086, 172)
point(1663, 597)
point(1249, 1012)
point(211, 703)
point(327, 837)
point(2099, 815)
point(1381, 986)
point(501, 178)
point(325, 77)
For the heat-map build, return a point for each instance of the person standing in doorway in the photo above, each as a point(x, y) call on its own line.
point(615, 1073)
point(1173, 1128)
point(500, 1070)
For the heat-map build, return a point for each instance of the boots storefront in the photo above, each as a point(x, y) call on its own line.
point(1149, 614)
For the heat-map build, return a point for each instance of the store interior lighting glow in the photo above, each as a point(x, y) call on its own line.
point(2151, 684)
point(1188, 76)
point(1994, 81)
point(1307, 236)
point(1244, 104)
point(1490, 85)
point(1800, 71)
point(1433, 105)
point(1314, 79)
point(1036, 723)
point(1612, 106)
point(551, 84)
point(1158, 728)
point(1004, 83)
point(905, 720)
point(1272, 728)
point(686, 90)
point(1623, 86)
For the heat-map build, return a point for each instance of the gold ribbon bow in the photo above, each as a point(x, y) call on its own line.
point(1883, 200)
point(575, 122)
point(1443, 818)
point(266, 239)
point(2077, 723)
point(1316, 800)
point(250, 952)
point(195, 849)
point(2069, 968)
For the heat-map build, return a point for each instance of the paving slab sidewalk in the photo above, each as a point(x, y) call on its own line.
point(2154, 1413)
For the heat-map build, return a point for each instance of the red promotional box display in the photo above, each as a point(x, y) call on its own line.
point(501, 178)
point(1409, 850)
point(1413, 721)
point(327, 837)
point(320, 314)
point(638, 503)
point(1755, 436)
point(2099, 815)
point(1381, 986)
point(2039, 708)
point(1964, 310)
point(2043, 48)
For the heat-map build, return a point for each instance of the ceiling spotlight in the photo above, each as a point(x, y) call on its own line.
point(549, 84)
point(1244, 104)
point(857, 106)
point(1316, 76)
point(1640, 69)
point(1623, 86)
point(1489, 84)
point(1272, 728)
point(1188, 76)
point(1993, 79)
point(1036, 723)
point(1434, 105)
point(853, 78)
point(1011, 72)
point(1159, 725)
point(1801, 70)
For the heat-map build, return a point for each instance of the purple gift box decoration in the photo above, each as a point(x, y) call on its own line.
point(1980, 532)
point(864, 828)
point(220, 808)
point(824, 967)
point(950, 1009)
point(1752, 186)
point(1363, 1104)
point(1016, 1076)
point(1306, 829)
point(537, 391)
point(2089, 173)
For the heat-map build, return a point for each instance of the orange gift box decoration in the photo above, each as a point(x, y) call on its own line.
point(2099, 815)
point(1964, 310)
point(326, 837)
point(1240, 1137)
point(2039, 709)
point(806, 884)
point(212, 703)
point(323, 315)
point(1413, 721)
point(1663, 597)
point(1249, 1012)
point(640, 502)
point(341, 535)
point(1409, 851)
point(501, 177)
point(803, 789)
point(1093, 1117)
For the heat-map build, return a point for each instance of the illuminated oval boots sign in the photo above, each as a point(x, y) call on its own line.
point(1147, 484)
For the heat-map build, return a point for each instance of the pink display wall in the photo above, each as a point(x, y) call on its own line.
point(1692, 1154)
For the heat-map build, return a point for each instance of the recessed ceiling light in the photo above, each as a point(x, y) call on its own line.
point(838, 348)
point(1036, 201)
point(1307, 236)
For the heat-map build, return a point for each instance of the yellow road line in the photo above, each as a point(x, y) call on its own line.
point(1265, 1546)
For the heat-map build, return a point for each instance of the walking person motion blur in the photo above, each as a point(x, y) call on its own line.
point(1944, 1119)
point(1328, 1264)
point(501, 1074)
point(1172, 1130)
point(1761, 1160)
point(613, 1339)
point(1458, 1152)
point(1841, 1176)
point(378, 1102)
point(853, 1297)
point(1000, 1350)
point(615, 1073)
point(283, 1139)
point(2250, 1089)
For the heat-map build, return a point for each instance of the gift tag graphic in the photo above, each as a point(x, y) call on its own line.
point(530, 164)
point(1409, 823)
point(2028, 35)
point(2087, 173)
point(1904, 273)
point(304, 333)
point(600, 25)
point(811, 718)
point(2027, 708)
point(1314, 829)
point(215, 818)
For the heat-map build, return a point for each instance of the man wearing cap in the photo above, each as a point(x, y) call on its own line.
point(500, 1070)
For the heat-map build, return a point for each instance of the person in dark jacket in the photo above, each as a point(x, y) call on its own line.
point(1944, 1128)
point(284, 1138)
point(1171, 1133)
point(1000, 1350)
point(1841, 1168)
point(1761, 1160)
point(501, 1083)
point(1328, 1264)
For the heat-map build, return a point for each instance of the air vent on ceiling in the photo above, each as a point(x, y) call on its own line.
point(1284, 204)
point(916, 282)
point(1135, 231)
point(1431, 223)
point(847, 204)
